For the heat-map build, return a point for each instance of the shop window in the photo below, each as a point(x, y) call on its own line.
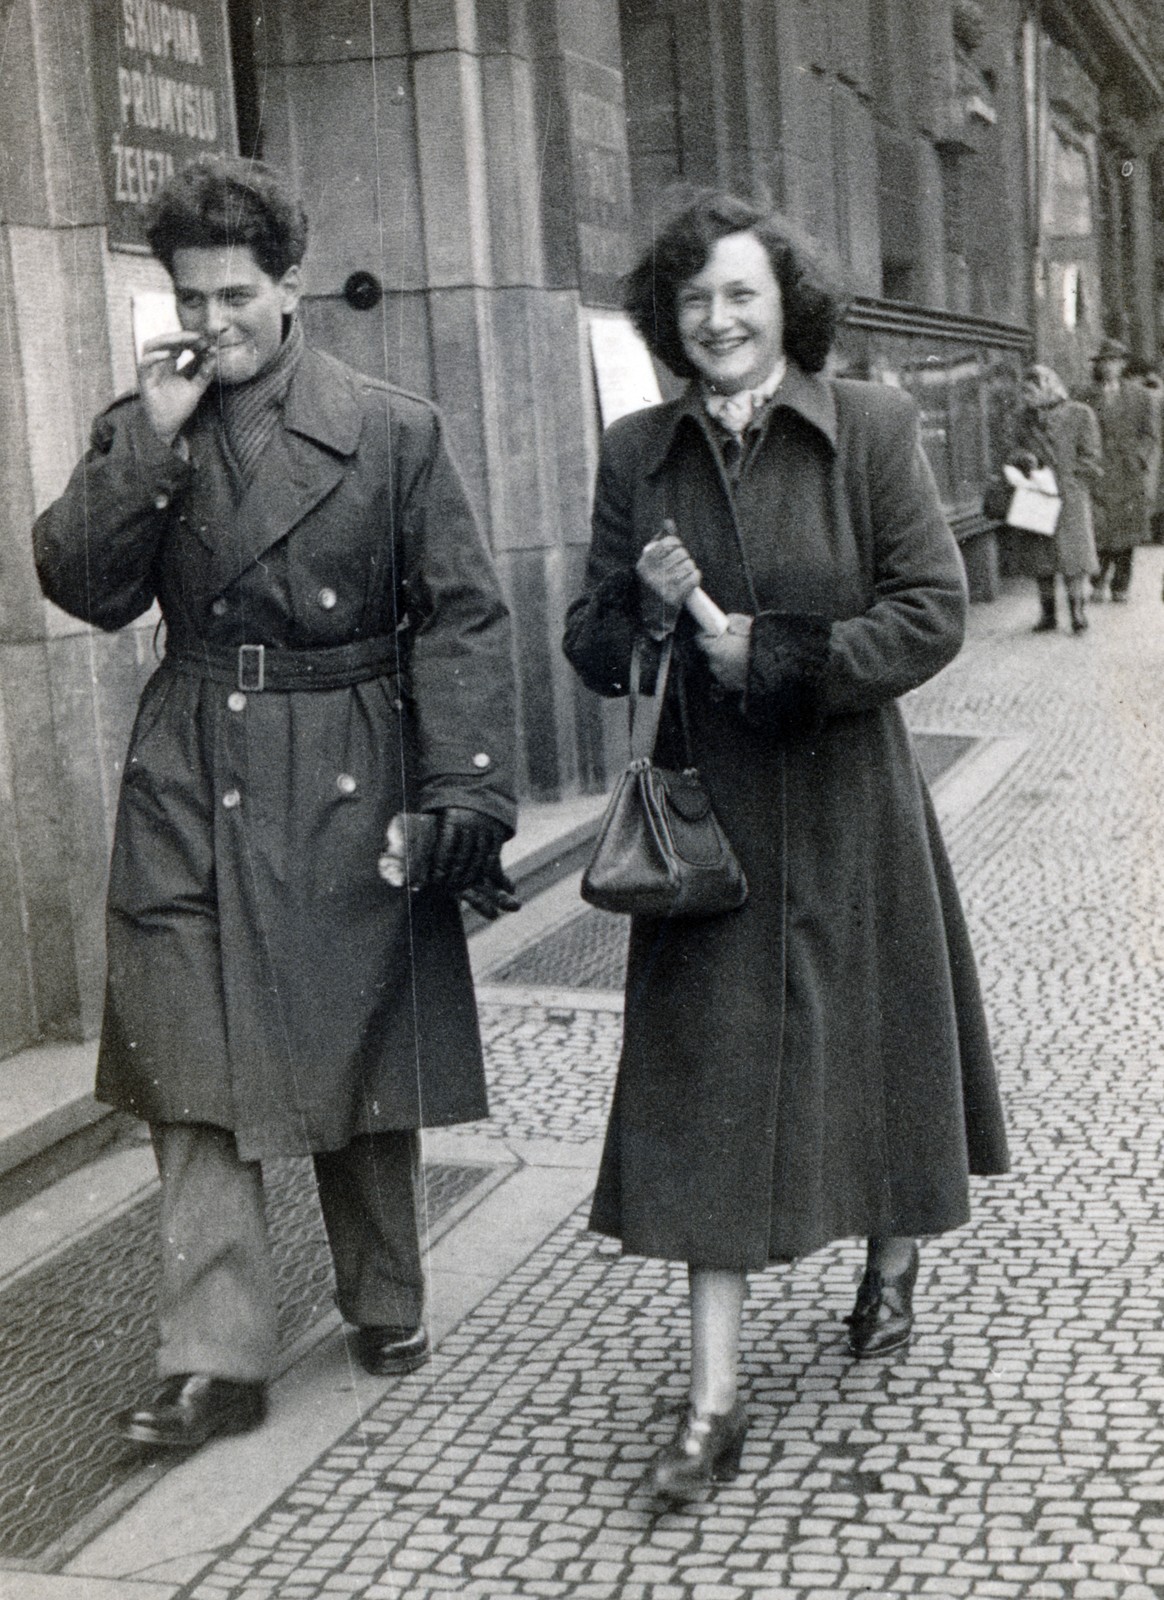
point(900, 217)
point(1068, 188)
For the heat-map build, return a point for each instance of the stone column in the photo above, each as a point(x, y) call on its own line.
point(65, 694)
point(472, 158)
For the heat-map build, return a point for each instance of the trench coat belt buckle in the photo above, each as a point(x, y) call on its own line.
point(252, 667)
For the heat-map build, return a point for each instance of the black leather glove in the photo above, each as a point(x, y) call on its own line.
point(467, 843)
point(492, 893)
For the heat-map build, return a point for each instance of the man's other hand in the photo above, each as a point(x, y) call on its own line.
point(466, 844)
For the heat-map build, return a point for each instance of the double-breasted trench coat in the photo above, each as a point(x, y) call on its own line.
point(262, 977)
point(816, 1064)
point(1066, 438)
point(1128, 422)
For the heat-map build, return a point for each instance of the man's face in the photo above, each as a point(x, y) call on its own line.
point(224, 294)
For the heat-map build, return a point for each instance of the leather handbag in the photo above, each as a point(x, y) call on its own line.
point(660, 851)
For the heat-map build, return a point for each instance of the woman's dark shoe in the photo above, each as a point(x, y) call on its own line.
point(192, 1407)
point(705, 1449)
point(1078, 616)
point(391, 1352)
point(882, 1319)
point(1048, 620)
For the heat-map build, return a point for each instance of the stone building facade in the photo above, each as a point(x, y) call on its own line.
point(479, 173)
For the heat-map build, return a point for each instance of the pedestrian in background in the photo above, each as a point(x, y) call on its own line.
point(1052, 430)
point(337, 651)
point(814, 1065)
point(1129, 428)
point(1147, 375)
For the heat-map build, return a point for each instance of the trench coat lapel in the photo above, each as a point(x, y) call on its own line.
point(302, 464)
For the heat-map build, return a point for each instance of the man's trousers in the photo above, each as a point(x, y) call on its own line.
point(217, 1308)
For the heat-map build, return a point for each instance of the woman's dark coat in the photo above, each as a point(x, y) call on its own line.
point(1064, 437)
point(262, 977)
point(815, 1065)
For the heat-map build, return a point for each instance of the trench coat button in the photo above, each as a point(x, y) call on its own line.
point(237, 701)
point(231, 799)
point(345, 783)
point(219, 608)
point(161, 500)
point(481, 761)
point(327, 599)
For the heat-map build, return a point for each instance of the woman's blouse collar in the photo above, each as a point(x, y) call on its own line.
point(736, 412)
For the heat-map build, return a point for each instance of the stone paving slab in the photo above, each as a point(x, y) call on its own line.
point(1018, 1449)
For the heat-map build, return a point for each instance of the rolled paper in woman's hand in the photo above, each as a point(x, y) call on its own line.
point(706, 613)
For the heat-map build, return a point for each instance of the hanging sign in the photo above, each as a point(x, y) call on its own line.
point(164, 96)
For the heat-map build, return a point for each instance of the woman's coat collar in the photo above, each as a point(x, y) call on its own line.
point(806, 393)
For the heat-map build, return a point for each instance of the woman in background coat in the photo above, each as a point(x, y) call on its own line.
point(1062, 434)
point(815, 1065)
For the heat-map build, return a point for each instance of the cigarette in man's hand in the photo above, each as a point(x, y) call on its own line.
point(191, 358)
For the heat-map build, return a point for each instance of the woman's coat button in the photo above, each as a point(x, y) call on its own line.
point(219, 608)
point(231, 799)
point(237, 701)
point(345, 783)
point(481, 761)
point(327, 599)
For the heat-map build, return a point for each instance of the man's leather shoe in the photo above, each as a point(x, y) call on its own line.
point(389, 1352)
point(192, 1407)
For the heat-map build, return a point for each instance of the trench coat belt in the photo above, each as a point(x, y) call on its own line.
point(258, 668)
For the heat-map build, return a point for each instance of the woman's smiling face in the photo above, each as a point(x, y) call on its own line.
point(731, 315)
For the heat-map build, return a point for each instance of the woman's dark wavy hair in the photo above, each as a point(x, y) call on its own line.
point(812, 304)
point(224, 200)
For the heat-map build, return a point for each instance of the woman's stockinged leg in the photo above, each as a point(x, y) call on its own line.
point(710, 1437)
point(891, 1255)
point(717, 1304)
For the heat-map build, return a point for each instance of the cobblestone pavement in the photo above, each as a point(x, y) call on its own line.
point(1018, 1450)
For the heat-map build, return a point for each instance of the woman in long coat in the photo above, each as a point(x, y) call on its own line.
point(814, 1065)
point(1062, 434)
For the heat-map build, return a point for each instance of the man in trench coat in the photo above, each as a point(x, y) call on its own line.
point(337, 653)
point(1129, 423)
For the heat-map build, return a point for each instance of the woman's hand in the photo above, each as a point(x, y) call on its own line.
point(667, 575)
point(727, 655)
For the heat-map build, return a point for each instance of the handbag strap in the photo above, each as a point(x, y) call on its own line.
point(646, 709)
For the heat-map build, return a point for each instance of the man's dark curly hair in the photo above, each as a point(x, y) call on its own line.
point(812, 305)
point(224, 200)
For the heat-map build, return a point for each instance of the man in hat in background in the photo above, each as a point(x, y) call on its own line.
point(337, 654)
point(1129, 424)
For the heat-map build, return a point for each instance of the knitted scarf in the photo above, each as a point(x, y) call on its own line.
point(250, 411)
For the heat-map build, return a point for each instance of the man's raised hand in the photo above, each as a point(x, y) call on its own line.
point(174, 371)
